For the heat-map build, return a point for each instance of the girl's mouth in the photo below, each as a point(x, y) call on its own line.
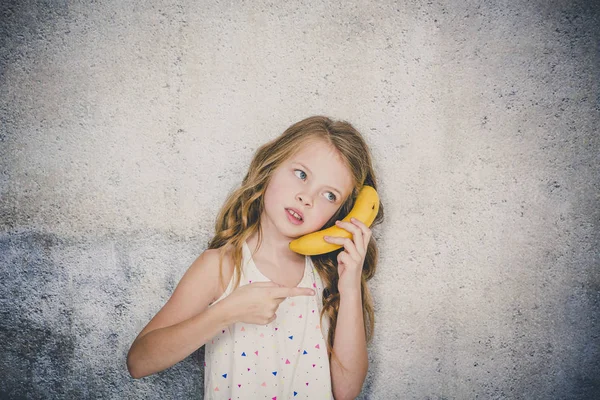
point(293, 217)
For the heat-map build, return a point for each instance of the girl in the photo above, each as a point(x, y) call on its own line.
point(278, 325)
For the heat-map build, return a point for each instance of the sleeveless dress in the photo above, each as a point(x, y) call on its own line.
point(286, 359)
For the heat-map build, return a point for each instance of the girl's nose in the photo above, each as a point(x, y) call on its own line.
point(305, 199)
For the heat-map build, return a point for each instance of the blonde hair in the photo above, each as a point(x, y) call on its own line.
point(239, 218)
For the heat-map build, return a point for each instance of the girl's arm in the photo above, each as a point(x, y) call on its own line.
point(185, 322)
point(350, 347)
point(349, 343)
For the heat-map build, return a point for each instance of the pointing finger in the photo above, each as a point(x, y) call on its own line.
point(292, 292)
point(267, 284)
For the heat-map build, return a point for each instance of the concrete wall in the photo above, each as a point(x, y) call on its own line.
point(124, 125)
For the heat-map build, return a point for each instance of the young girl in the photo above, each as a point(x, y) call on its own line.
point(276, 324)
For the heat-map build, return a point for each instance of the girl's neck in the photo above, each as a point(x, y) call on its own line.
point(274, 249)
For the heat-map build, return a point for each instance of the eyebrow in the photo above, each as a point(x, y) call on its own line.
point(308, 169)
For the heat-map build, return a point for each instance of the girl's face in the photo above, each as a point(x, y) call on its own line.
point(313, 183)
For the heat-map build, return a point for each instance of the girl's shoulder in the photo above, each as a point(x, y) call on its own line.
point(196, 290)
point(221, 274)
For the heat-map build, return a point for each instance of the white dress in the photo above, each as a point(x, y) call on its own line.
point(286, 359)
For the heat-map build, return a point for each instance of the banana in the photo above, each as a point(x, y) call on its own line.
point(365, 210)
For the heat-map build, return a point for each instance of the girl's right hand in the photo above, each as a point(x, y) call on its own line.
point(257, 303)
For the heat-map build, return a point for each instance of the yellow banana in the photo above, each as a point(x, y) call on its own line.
point(365, 210)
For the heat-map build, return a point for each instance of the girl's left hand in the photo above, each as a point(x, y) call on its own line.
point(351, 260)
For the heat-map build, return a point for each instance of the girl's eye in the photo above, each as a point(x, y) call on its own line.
point(333, 198)
point(303, 177)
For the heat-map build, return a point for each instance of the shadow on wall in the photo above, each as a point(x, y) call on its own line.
point(65, 332)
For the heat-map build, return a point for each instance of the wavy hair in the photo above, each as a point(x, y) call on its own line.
point(239, 218)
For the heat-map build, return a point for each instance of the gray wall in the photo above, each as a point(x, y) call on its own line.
point(124, 125)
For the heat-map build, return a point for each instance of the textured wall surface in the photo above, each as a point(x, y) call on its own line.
point(124, 125)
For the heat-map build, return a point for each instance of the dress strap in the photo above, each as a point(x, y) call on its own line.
point(318, 287)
